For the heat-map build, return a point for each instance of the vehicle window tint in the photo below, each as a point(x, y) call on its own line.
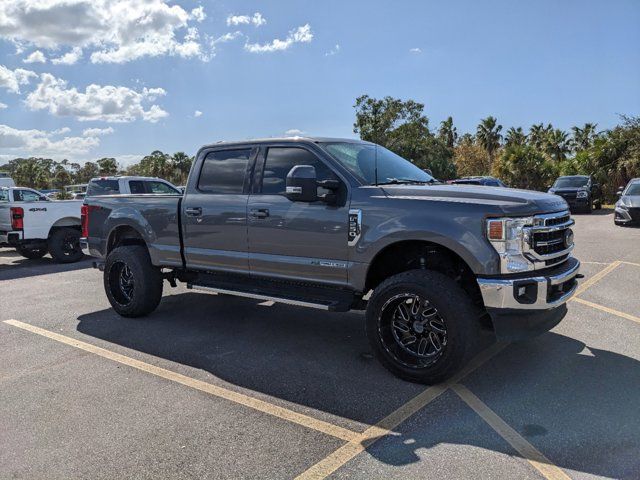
point(136, 186)
point(160, 187)
point(492, 183)
point(4, 195)
point(280, 161)
point(25, 196)
point(223, 171)
point(103, 187)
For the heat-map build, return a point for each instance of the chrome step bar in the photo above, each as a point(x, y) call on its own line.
point(257, 296)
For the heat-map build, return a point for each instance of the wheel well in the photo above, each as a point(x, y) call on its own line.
point(416, 254)
point(66, 222)
point(124, 235)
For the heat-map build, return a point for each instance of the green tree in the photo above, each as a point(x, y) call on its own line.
point(180, 164)
point(524, 166)
point(557, 144)
point(489, 137)
point(470, 158)
point(582, 138)
point(515, 136)
point(61, 178)
point(107, 166)
point(538, 134)
point(448, 133)
point(156, 164)
point(88, 171)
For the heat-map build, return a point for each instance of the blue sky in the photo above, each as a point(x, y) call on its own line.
point(564, 62)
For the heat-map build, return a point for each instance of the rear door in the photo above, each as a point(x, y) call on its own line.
point(296, 240)
point(214, 211)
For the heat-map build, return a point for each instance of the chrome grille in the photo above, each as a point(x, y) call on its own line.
point(545, 243)
point(545, 240)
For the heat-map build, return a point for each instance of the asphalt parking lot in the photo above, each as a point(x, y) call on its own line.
point(223, 387)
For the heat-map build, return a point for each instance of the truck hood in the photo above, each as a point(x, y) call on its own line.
point(508, 201)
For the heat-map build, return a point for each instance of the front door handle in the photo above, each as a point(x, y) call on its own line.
point(193, 211)
point(259, 212)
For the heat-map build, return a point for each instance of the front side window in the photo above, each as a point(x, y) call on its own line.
point(26, 196)
point(223, 171)
point(633, 189)
point(161, 187)
point(375, 165)
point(136, 187)
point(280, 160)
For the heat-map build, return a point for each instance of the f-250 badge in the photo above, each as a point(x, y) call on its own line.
point(38, 209)
point(355, 226)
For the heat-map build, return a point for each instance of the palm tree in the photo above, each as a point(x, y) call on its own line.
point(181, 164)
point(488, 135)
point(558, 144)
point(538, 134)
point(583, 137)
point(515, 136)
point(448, 133)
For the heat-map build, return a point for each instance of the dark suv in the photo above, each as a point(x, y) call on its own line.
point(580, 192)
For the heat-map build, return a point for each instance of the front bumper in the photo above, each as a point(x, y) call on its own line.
point(525, 305)
point(622, 216)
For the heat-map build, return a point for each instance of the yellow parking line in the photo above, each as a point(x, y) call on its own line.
point(239, 398)
point(631, 263)
point(597, 277)
point(342, 455)
point(524, 448)
point(628, 316)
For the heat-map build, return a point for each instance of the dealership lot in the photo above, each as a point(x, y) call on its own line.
point(219, 387)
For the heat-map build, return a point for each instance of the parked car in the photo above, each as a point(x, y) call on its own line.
point(627, 208)
point(485, 181)
point(33, 224)
point(126, 185)
point(79, 195)
point(580, 192)
point(342, 224)
point(6, 180)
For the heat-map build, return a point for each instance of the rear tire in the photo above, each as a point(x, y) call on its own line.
point(64, 245)
point(132, 284)
point(32, 253)
point(424, 340)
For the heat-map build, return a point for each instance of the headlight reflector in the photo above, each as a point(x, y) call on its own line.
point(507, 236)
point(582, 194)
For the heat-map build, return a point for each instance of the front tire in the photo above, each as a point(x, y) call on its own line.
point(420, 325)
point(132, 284)
point(32, 253)
point(64, 245)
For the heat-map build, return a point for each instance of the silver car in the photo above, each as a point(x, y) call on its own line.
point(627, 210)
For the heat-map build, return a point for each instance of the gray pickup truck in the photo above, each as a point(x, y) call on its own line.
point(343, 224)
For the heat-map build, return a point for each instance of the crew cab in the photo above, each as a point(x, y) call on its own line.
point(580, 192)
point(34, 224)
point(127, 185)
point(338, 225)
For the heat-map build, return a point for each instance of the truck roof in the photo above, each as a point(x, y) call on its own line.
point(296, 139)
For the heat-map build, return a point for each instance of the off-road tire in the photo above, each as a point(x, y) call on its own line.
point(32, 253)
point(459, 315)
point(146, 281)
point(64, 245)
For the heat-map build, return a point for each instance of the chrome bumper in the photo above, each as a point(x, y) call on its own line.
point(550, 290)
point(84, 246)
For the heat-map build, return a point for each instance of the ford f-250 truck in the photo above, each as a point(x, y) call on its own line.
point(345, 224)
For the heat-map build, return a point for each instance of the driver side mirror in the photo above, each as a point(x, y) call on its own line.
point(620, 190)
point(302, 184)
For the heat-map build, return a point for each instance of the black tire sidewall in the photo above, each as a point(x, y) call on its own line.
point(147, 291)
point(55, 246)
point(452, 304)
point(30, 253)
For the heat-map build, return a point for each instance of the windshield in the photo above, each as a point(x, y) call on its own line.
point(633, 189)
point(571, 182)
point(364, 159)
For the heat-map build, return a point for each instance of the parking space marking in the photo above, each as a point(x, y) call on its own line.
point(628, 316)
point(597, 277)
point(631, 263)
point(230, 395)
point(513, 438)
point(384, 427)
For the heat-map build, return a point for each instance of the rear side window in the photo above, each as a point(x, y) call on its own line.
point(136, 186)
point(4, 195)
point(223, 172)
point(160, 187)
point(26, 196)
point(103, 187)
point(281, 160)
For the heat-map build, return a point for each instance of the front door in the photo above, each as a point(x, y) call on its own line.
point(215, 214)
point(296, 240)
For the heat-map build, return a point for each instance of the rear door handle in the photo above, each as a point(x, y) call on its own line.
point(259, 212)
point(193, 211)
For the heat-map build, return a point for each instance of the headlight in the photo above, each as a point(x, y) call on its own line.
point(507, 235)
point(622, 206)
point(582, 194)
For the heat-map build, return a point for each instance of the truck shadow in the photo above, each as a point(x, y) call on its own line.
point(15, 266)
point(579, 409)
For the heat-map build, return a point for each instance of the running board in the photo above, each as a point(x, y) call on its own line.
point(237, 293)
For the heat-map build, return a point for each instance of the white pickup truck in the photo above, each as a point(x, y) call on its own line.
point(34, 225)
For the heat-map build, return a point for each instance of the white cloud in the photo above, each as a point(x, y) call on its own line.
point(12, 79)
point(415, 50)
point(98, 102)
point(257, 20)
point(115, 31)
point(293, 132)
point(334, 51)
point(68, 58)
point(40, 142)
point(129, 159)
point(301, 34)
point(97, 132)
point(197, 113)
point(61, 131)
point(3, 106)
point(36, 57)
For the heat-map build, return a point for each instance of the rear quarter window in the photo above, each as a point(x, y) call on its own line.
point(102, 187)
